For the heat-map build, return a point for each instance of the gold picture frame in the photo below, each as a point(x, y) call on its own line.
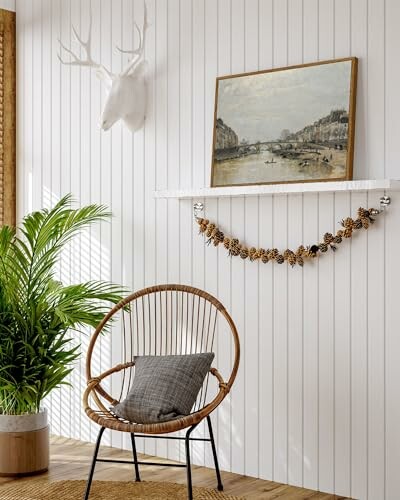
point(7, 118)
point(285, 125)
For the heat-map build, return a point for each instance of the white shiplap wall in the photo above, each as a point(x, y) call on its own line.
point(316, 402)
point(7, 4)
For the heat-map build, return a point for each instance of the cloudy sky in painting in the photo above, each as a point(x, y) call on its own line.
point(259, 107)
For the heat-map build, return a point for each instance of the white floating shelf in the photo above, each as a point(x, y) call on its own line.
point(303, 187)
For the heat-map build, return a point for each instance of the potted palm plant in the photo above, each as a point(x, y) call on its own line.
point(38, 318)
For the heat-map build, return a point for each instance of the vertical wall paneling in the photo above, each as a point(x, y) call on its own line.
point(315, 402)
point(375, 119)
point(238, 272)
point(326, 326)
point(310, 294)
point(161, 143)
point(392, 346)
point(359, 354)
point(280, 344)
point(295, 347)
point(392, 272)
point(266, 319)
point(342, 352)
point(359, 16)
point(280, 231)
point(376, 361)
point(251, 284)
point(225, 433)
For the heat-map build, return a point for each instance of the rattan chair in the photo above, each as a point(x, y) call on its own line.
point(160, 320)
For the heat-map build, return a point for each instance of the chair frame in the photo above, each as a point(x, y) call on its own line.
point(105, 419)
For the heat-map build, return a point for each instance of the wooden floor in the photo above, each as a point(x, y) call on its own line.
point(70, 460)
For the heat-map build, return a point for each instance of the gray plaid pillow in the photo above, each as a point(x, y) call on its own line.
point(164, 387)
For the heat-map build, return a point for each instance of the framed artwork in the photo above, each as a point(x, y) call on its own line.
point(7, 118)
point(293, 124)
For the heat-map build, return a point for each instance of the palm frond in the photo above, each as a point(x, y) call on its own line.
point(38, 314)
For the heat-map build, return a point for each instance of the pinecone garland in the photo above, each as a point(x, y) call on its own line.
point(214, 235)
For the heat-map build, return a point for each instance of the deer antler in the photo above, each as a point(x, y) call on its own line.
point(136, 53)
point(101, 71)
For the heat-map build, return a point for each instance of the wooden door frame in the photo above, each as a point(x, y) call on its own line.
point(7, 118)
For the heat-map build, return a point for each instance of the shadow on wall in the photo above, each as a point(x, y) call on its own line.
point(85, 258)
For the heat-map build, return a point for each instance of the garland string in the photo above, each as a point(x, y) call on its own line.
point(329, 242)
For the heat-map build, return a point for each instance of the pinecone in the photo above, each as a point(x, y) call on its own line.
point(273, 253)
point(279, 259)
point(363, 212)
point(339, 233)
point(219, 236)
point(203, 224)
point(253, 254)
point(357, 224)
point(347, 222)
point(300, 251)
point(264, 258)
point(244, 253)
point(337, 239)
point(210, 229)
point(227, 242)
point(323, 247)
point(347, 233)
point(287, 253)
point(234, 247)
point(292, 259)
point(365, 223)
point(214, 232)
point(312, 251)
point(300, 261)
point(259, 254)
point(328, 238)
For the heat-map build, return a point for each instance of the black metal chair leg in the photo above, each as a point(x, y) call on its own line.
point(137, 475)
point(214, 450)
point(188, 465)
point(96, 451)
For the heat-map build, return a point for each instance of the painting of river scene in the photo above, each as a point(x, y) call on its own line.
point(291, 124)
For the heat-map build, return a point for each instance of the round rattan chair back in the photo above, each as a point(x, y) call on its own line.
point(163, 320)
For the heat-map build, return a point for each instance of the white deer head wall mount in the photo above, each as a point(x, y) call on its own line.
point(127, 91)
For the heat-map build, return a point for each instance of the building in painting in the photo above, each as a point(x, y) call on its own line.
point(225, 137)
point(329, 129)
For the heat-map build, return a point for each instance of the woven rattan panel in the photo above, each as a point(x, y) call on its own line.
point(7, 117)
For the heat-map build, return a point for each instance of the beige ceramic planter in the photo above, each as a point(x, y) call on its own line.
point(24, 444)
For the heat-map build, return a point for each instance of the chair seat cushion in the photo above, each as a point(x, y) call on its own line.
point(164, 387)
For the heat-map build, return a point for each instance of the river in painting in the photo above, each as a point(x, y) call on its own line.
point(268, 167)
